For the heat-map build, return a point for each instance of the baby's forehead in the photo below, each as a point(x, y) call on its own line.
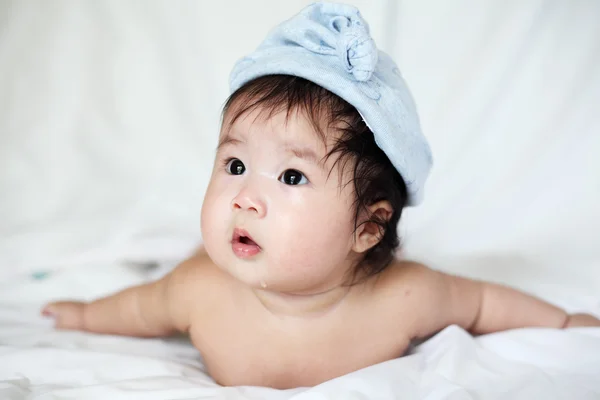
point(273, 124)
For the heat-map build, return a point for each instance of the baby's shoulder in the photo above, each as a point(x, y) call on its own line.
point(196, 284)
point(404, 290)
point(404, 278)
point(196, 264)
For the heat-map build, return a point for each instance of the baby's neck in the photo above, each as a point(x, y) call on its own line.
point(302, 305)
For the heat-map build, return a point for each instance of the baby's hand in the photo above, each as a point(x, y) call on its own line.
point(142, 310)
point(152, 309)
point(581, 320)
point(66, 314)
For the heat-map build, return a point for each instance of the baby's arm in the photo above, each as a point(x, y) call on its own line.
point(483, 307)
point(149, 310)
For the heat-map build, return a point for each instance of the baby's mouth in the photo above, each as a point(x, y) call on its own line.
point(241, 236)
point(246, 240)
point(243, 245)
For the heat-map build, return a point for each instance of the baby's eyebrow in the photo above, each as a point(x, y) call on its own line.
point(302, 152)
point(228, 139)
point(305, 153)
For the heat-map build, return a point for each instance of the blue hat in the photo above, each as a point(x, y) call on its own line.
point(329, 44)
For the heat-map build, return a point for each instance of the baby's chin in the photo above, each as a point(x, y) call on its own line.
point(261, 272)
point(258, 277)
point(293, 285)
point(251, 274)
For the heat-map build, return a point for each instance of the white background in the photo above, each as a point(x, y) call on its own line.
point(109, 115)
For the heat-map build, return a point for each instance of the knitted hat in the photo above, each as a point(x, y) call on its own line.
point(329, 44)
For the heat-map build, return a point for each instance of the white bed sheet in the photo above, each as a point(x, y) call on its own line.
point(39, 362)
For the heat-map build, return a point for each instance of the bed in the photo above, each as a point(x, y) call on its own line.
point(109, 113)
point(42, 363)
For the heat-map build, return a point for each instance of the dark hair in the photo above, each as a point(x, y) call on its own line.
point(374, 177)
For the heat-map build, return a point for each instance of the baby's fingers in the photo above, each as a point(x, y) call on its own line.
point(66, 314)
point(576, 320)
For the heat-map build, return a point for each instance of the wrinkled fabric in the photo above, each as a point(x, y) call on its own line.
point(37, 361)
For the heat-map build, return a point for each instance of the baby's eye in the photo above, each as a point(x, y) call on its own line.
point(235, 167)
point(293, 177)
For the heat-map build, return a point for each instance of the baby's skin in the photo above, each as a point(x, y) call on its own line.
point(251, 336)
point(266, 300)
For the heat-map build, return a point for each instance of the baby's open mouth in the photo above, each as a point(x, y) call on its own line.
point(246, 240)
point(243, 245)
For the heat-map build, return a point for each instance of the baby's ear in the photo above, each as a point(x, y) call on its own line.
point(369, 233)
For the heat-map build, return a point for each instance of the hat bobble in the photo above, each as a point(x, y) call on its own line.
point(355, 47)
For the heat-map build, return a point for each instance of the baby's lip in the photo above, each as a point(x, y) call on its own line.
point(239, 235)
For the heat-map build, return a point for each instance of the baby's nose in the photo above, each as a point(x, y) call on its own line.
point(249, 201)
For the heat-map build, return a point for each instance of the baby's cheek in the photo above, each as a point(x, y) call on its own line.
point(329, 227)
point(206, 218)
point(213, 221)
point(310, 246)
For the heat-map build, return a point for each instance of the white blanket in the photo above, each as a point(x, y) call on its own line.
point(39, 362)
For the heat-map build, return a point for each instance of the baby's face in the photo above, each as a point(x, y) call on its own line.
point(273, 215)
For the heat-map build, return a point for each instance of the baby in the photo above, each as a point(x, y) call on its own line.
point(319, 152)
